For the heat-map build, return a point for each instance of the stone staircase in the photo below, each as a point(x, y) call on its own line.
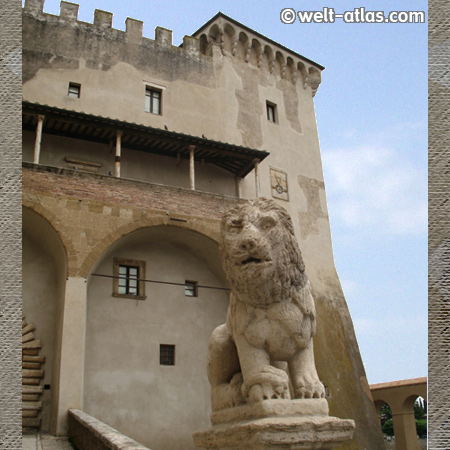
point(32, 374)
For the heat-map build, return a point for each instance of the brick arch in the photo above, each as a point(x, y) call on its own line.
point(209, 230)
point(52, 220)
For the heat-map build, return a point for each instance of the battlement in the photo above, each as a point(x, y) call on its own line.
point(221, 36)
point(103, 24)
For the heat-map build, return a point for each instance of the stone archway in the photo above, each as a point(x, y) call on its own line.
point(44, 269)
point(401, 396)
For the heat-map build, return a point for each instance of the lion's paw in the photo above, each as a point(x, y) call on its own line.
point(309, 388)
point(266, 391)
point(269, 383)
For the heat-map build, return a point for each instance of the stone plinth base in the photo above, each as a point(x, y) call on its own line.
point(276, 424)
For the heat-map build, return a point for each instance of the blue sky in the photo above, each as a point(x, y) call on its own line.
point(371, 112)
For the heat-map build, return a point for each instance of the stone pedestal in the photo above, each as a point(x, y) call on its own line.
point(276, 424)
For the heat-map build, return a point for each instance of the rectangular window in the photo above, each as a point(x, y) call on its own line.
point(271, 112)
point(128, 280)
point(190, 288)
point(129, 276)
point(153, 100)
point(166, 355)
point(74, 90)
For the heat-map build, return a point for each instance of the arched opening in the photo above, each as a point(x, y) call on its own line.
point(385, 414)
point(243, 44)
point(203, 44)
point(412, 408)
point(214, 34)
point(44, 268)
point(304, 74)
point(256, 53)
point(268, 59)
point(229, 37)
point(280, 69)
point(290, 69)
point(145, 358)
point(418, 405)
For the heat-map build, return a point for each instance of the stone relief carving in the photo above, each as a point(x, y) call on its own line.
point(271, 318)
point(279, 184)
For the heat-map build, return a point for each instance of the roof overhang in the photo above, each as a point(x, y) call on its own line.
point(236, 159)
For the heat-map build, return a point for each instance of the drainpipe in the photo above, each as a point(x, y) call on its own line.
point(256, 163)
point(118, 153)
point(37, 142)
point(191, 166)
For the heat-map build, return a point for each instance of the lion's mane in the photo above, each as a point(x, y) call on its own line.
point(287, 276)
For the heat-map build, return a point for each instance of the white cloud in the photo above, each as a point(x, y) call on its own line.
point(372, 186)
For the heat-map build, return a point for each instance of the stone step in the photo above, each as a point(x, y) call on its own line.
point(29, 358)
point(30, 373)
point(28, 337)
point(30, 397)
point(32, 381)
point(34, 344)
point(31, 365)
point(31, 423)
point(32, 389)
point(27, 328)
point(31, 405)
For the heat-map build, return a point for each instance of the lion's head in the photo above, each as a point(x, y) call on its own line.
point(260, 254)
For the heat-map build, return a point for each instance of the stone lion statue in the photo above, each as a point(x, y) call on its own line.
point(265, 349)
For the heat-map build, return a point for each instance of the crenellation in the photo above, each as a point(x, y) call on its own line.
point(69, 11)
point(134, 29)
point(35, 7)
point(102, 20)
point(221, 38)
point(191, 45)
point(163, 37)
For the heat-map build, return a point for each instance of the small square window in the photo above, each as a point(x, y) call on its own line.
point(191, 288)
point(166, 355)
point(153, 100)
point(271, 112)
point(129, 276)
point(74, 90)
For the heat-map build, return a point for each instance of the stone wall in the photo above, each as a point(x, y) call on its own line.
point(86, 433)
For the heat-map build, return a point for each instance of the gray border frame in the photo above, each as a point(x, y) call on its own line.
point(10, 225)
point(439, 225)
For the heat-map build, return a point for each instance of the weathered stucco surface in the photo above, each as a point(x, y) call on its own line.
point(222, 95)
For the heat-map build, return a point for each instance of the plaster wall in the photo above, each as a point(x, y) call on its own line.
point(125, 386)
